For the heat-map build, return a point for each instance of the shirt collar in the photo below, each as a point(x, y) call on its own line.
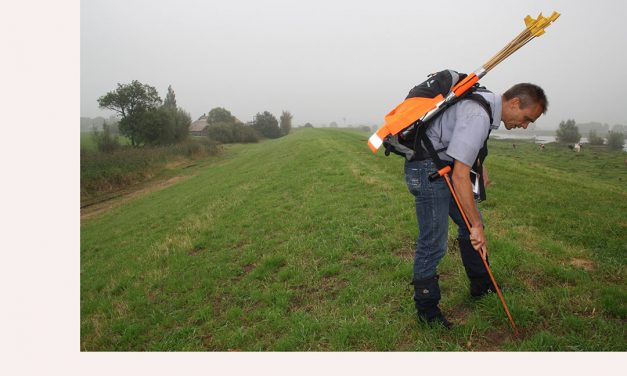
point(496, 111)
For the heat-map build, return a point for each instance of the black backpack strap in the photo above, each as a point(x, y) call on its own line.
point(422, 135)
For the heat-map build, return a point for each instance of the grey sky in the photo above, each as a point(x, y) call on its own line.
point(326, 60)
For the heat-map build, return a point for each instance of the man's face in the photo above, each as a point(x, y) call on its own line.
point(515, 117)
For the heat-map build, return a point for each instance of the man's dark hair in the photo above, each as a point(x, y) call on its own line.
point(528, 94)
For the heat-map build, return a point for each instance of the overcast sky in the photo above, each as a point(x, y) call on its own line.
point(349, 61)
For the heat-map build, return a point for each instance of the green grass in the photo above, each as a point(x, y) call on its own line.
point(305, 243)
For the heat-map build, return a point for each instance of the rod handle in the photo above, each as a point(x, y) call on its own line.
point(440, 172)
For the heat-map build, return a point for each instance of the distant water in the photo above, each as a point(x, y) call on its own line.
point(536, 139)
point(531, 137)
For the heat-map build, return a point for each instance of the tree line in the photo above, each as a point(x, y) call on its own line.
point(223, 127)
point(146, 119)
point(569, 132)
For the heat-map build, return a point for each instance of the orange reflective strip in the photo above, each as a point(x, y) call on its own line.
point(372, 147)
point(404, 115)
point(465, 84)
point(376, 140)
point(409, 111)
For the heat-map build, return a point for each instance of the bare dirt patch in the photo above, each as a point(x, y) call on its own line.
point(248, 268)
point(458, 314)
point(490, 340)
point(582, 263)
point(196, 250)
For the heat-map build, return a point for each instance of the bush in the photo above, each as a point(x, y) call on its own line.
point(182, 122)
point(568, 132)
point(615, 140)
point(105, 141)
point(220, 132)
point(228, 133)
point(267, 125)
point(286, 122)
point(593, 139)
point(163, 126)
point(195, 148)
point(244, 133)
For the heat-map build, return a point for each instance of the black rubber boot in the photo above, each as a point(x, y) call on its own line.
point(481, 286)
point(427, 297)
point(480, 282)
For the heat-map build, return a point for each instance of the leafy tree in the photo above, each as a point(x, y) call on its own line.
point(170, 98)
point(155, 127)
point(308, 125)
point(568, 131)
point(220, 115)
point(594, 139)
point(615, 140)
point(163, 126)
point(333, 125)
point(131, 102)
point(286, 122)
point(267, 125)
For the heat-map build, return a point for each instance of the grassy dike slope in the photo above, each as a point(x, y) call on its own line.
point(306, 243)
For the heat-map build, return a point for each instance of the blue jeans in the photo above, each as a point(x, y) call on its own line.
point(434, 204)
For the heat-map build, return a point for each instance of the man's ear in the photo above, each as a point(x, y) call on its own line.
point(515, 103)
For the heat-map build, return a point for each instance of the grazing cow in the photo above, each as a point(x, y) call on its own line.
point(577, 148)
point(541, 146)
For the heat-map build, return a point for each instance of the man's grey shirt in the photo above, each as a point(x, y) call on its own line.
point(462, 128)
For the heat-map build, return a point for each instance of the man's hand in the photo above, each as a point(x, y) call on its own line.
point(477, 238)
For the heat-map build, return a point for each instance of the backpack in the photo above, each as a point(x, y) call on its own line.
point(405, 143)
point(413, 143)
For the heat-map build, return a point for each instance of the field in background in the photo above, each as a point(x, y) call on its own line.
point(88, 143)
point(305, 243)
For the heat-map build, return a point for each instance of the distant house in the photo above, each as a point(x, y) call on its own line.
point(199, 127)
